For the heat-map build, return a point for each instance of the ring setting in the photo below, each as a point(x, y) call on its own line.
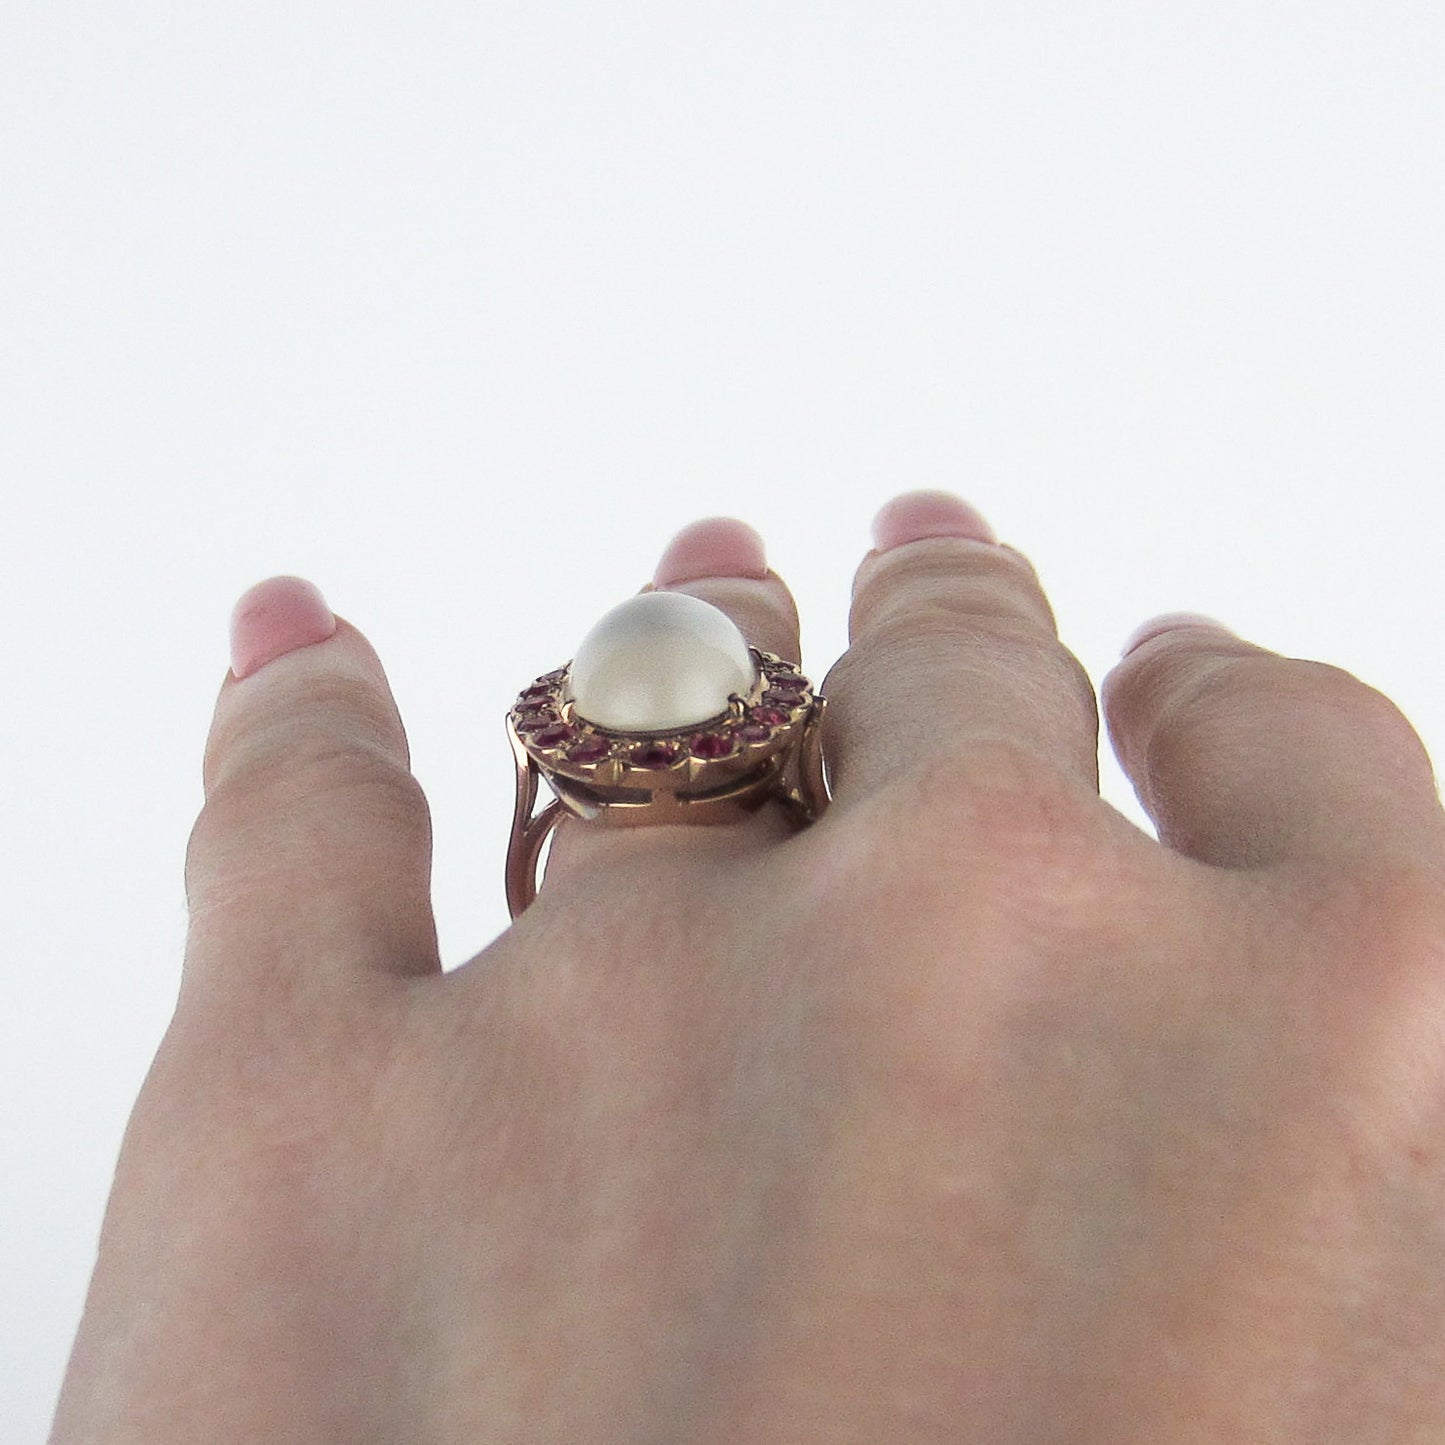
point(665, 715)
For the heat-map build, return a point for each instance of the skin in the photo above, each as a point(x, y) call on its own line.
point(970, 1114)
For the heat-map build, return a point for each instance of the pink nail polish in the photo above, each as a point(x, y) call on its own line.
point(276, 617)
point(713, 547)
point(1168, 622)
point(915, 515)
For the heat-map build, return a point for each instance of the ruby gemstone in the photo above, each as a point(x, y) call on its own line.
point(589, 750)
point(530, 722)
point(549, 737)
point(713, 745)
point(769, 715)
point(653, 755)
point(754, 732)
point(783, 697)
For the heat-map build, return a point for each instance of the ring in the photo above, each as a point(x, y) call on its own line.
point(664, 715)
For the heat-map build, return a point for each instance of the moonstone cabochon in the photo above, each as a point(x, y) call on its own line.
point(658, 661)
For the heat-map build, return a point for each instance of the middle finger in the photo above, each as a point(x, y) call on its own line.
point(953, 649)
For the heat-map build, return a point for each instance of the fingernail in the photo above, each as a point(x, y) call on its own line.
point(1168, 622)
point(915, 515)
point(276, 617)
point(714, 547)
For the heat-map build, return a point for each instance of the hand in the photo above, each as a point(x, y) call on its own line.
point(970, 1113)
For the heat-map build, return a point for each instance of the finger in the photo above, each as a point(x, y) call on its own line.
point(1247, 759)
point(722, 561)
point(311, 856)
point(952, 652)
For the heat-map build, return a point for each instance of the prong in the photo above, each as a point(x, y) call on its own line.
point(813, 786)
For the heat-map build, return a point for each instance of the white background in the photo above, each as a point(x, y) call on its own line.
point(460, 310)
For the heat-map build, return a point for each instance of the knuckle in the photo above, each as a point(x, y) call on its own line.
point(1385, 922)
point(1362, 708)
point(1025, 824)
point(289, 732)
point(1169, 692)
point(1154, 690)
point(321, 771)
point(268, 1097)
point(969, 889)
point(925, 646)
point(1012, 834)
point(932, 628)
point(981, 586)
point(1375, 976)
point(232, 840)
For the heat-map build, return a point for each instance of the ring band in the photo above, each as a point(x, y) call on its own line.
point(767, 744)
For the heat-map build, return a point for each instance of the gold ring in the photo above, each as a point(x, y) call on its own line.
point(665, 715)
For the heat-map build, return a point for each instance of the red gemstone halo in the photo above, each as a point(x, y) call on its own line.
point(752, 729)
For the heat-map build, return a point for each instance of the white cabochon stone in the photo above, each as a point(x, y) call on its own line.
point(660, 660)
